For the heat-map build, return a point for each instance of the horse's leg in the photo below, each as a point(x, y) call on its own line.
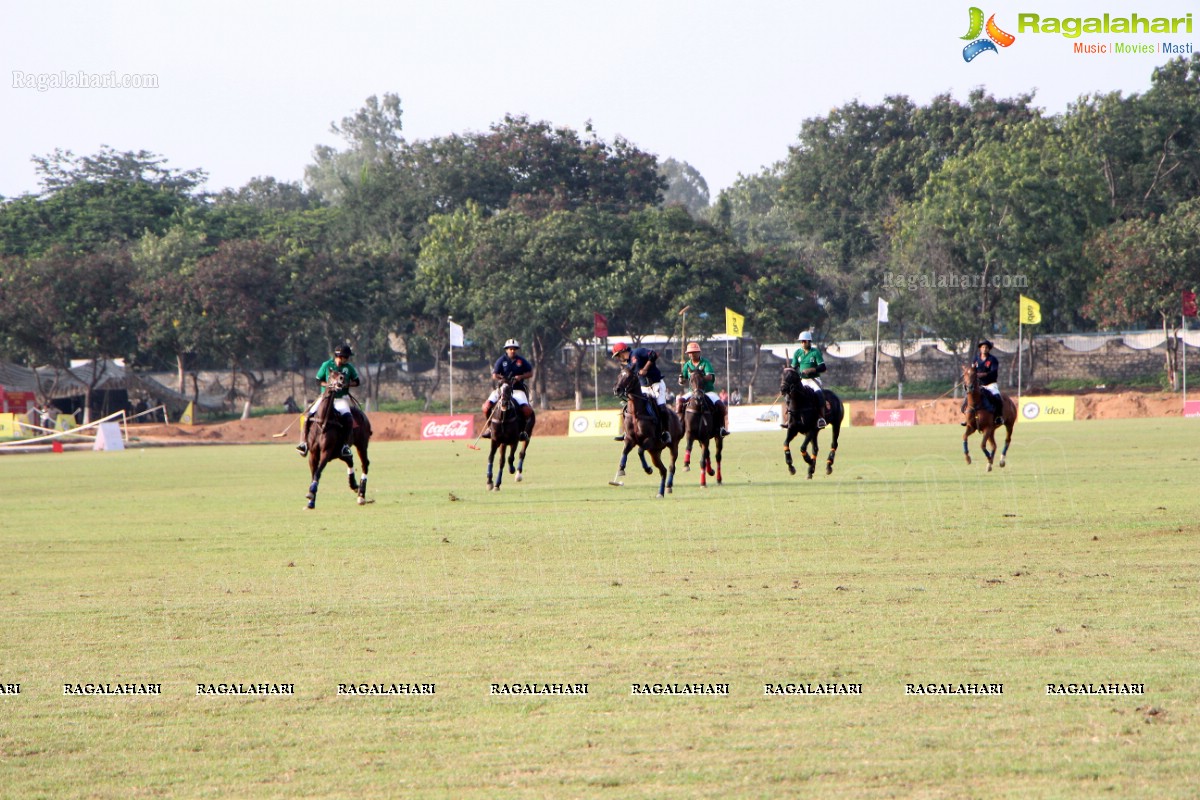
point(837, 428)
point(521, 460)
point(720, 446)
point(512, 457)
point(704, 470)
point(967, 435)
point(687, 454)
point(504, 448)
point(349, 462)
point(810, 437)
point(991, 436)
point(491, 459)
point(662, 472)
point(616, 481)
point(362, 484)
point(1008, 426)
point(316, 465)
point(645, 465)
point(787, 449)
point(674, 447)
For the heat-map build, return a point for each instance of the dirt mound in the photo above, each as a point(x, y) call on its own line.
point(385, 427)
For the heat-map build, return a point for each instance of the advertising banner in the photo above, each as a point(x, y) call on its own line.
point(1047, 409)
point(895, 417)
point(1192, 409)
point(606, 422)
point(459, 426)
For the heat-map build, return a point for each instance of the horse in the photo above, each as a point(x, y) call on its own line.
point(802, 418)
point(505, 425)
point(700, 424)
point(980, 418)
point(328, 433)
point(641, 427)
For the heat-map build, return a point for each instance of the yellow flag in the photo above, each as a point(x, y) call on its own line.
point(1031, 312)
point(733, 323)
point(186, 419)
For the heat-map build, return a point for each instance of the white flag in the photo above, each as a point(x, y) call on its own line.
point(456, 335)
point(882, 310)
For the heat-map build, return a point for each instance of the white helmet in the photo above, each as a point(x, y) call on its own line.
point(512, 343)
point(805, 337)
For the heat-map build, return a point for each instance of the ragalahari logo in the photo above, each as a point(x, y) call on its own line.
point(995, 36)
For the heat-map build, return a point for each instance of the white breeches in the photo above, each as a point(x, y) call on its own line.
point(340, 404)
point(658, 391)
point(517, 395)
point(711, 396)
point(812, 383)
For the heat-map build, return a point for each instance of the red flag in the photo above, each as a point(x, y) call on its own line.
point(1189, 303)
point(601, 326)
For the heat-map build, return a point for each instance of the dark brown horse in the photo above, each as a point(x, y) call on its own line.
point(643, 431)
point(701, 424)
point(328, 433)
point(505, 425)
point(802, 418)
point(980, 418)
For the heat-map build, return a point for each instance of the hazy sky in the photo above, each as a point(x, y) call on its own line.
point(248, 88)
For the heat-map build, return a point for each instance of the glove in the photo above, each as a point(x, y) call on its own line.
point(810, 372)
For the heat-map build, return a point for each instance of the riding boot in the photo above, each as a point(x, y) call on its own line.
point(821, 423)
point(724, 409)
point(621, 438)
point(302, 448)
point(528, 412)
point(665, 421)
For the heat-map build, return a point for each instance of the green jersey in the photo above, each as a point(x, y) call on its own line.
point(703, 366)
point(810, 360)
point(346, 369)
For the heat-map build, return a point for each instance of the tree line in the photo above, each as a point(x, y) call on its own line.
point(526, 230)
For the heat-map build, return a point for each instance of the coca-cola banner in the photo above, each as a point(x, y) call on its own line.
point(447, 427)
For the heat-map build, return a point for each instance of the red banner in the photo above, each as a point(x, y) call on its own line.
point(1192, 409)
point(895, 417)
point(1189, 303)
point(601, 326)
point(447, 427)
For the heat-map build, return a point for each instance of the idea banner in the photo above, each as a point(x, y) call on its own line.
point(1047, 409)
point(595, 423)
point(447, 427)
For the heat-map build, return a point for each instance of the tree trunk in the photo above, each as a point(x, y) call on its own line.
point(1168, 343)
point(753, 373)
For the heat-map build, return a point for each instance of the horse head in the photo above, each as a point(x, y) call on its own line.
point(627, 383)
point(505, 398)
point(789, 381)
point(970, 380)
point(697, 381)
point(335, 381)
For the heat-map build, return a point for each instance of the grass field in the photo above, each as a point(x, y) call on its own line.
point(1078, 563)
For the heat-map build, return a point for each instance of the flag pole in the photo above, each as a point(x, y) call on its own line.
point(450, 319)
point(876, 361)
point(1020, 345)
point(596, 370)
point(1183, 324)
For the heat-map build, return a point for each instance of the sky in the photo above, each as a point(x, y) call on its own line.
point(247, 89)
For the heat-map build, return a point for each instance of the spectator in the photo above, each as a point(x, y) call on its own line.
point(735, 398)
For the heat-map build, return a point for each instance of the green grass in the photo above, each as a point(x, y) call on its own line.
point(1077, 562)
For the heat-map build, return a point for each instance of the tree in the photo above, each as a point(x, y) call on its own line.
point(1147, 264)
point(685, 187)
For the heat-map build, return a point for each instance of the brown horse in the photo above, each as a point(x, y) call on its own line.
point(505, 425)
point(642, 431)
point(980, 418)
point(328, 433)
point(701, 424)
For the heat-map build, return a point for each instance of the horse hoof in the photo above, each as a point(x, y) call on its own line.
point(519, 477)
point(620, 473)
point(362, 501)
point(649, 471)
point(829, 470)
point(711, 472)
point(809, 476)
point(1002, 462)
point(791, 469)
point(310, 506)
point(989, 469)
point(658, 496)
point(687, 467)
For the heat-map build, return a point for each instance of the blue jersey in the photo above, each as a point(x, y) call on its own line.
point(639, 358)
point(509, 368)
point(987, 369)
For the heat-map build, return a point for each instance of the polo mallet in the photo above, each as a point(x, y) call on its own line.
point(283, 432)
point(475, 444)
